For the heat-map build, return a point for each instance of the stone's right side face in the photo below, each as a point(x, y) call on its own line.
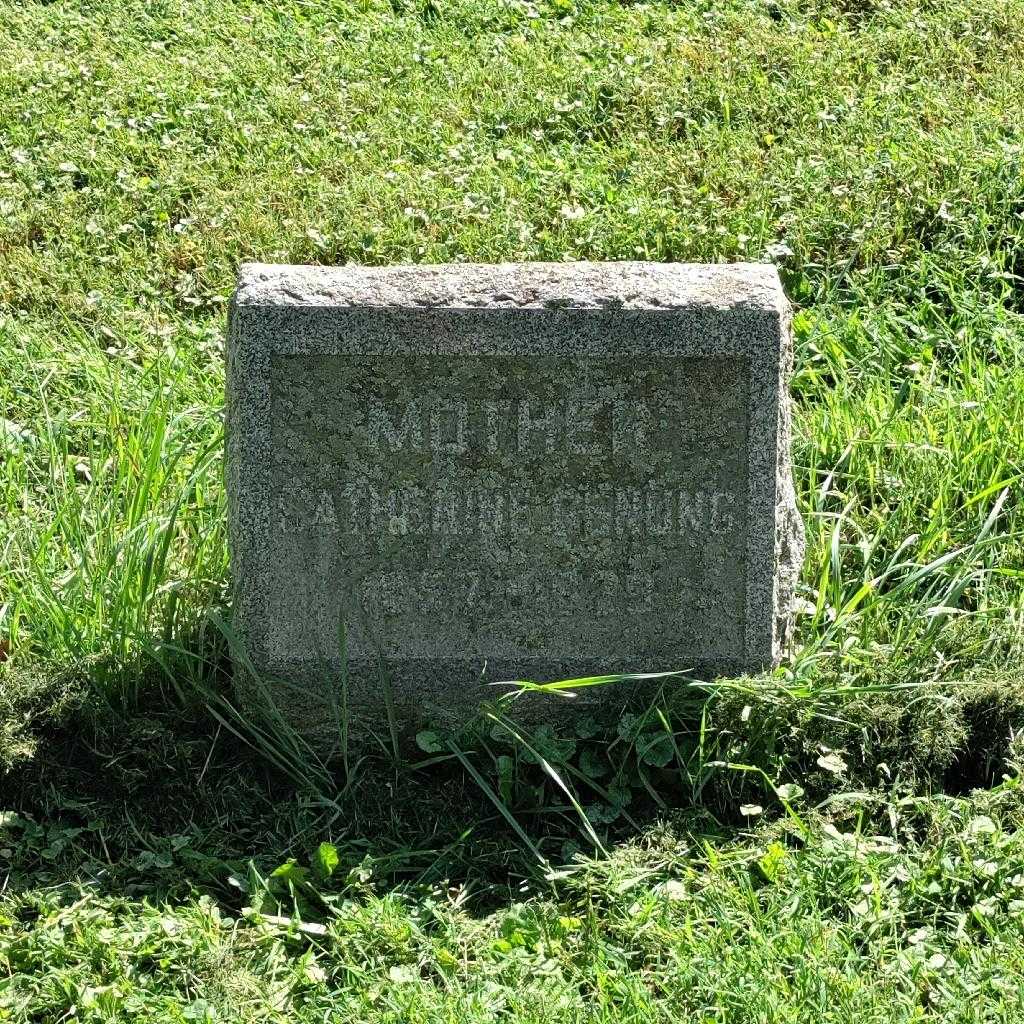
point(470, 474)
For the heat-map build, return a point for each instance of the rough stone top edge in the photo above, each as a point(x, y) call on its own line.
point(579, 285)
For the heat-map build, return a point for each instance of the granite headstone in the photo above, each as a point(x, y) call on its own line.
point(444, 476)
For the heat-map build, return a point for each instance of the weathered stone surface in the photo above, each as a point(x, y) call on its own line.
point(481, 473)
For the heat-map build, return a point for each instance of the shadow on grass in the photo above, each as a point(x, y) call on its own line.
point(167, 801)
point(167, 804)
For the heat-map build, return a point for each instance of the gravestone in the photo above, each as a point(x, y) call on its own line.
point(444, 476)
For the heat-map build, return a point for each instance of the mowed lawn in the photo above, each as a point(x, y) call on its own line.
point(836, 842)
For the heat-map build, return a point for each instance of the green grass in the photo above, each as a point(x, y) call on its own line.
point(874, 151)
point(922, 923)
